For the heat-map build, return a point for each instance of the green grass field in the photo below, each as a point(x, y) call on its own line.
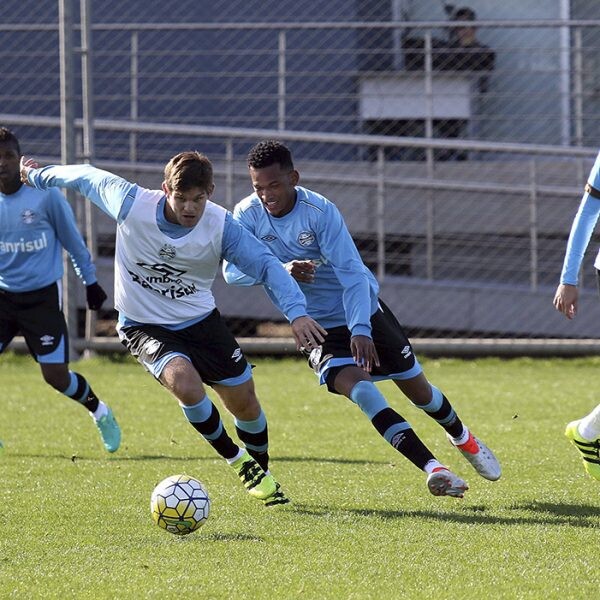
point(75, 521)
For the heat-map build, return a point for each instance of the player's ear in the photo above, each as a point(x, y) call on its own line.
point(165, 188)
point(294, 177)
point(210, 190)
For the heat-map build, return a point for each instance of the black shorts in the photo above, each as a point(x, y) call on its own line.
point(38, 316)
point(396, 356)
point(208, 344)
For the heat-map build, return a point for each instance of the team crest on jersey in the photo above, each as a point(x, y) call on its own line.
point(28, 216)
point(269, 237)
point(167, 251)
point(306, 238)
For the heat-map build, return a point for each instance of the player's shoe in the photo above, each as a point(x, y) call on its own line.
point(480, 456)
point(277, 498)
point(257, 483)
point(443, 482)
point(110, 431)
point(589, 450)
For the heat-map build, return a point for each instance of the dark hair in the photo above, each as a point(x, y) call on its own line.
point(187, 170)
point(7, 136)
point(464, 13)
point(270, 152)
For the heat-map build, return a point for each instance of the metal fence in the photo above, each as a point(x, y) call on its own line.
point(458, 171)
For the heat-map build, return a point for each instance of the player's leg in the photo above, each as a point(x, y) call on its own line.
point(584, 434)
point(218, 358)
point(355, 384)
point(43, 325)
point(399, 363)
point(8, 324)
point(251, 426)
point(250, 420)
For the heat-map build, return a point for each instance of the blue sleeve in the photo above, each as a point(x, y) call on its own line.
point(231, 274)
point(338, 248)
point(62, 218)
point(107, 191)
point(581, 230)
point(251, 256)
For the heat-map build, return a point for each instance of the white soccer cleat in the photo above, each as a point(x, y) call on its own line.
point(480, 456)
point(444, 482)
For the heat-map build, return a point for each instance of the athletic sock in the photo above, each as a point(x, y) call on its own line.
point(205, 418)
point(255, 436)
point(441, 411)
point(390, 425)
point(589, 426)
point(80, 391)
point(433, 466)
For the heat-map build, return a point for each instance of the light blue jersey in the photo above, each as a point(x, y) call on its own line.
point(344, 291)
point(115, 196)
point(35, 226)
point(581, 230)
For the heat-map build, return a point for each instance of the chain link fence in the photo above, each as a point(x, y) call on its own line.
point(455, 140)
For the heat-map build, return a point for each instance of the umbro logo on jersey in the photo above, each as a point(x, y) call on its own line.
point(237, 355)
point(406, 351)
point(269, 237)
point(167, 251)
point(28, 216)
point(47, 340)
point(306, 238)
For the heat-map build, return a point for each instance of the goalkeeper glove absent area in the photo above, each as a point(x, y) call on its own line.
point(95, 296)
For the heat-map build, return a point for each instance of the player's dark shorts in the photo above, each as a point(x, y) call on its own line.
point(396, 356)
point(38, 316)
point(208, 344)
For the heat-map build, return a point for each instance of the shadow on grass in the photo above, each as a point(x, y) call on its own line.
point(573, 515)
point(116, 458)
point(329, 459)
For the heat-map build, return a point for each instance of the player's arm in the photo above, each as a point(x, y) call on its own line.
point(566, 297)
point(338, 248)
point(231, 273)
point(107, 191)
point(62, 218)
point(249, 255)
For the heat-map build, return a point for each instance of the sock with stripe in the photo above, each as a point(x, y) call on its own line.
point(80, 391)
point(390, 425)
point(255, 436)
point(206, 420)
point(441, 411)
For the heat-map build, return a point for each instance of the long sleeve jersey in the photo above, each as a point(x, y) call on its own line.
point(35, 226)
point(116, 197)
point(581, 230)
point(344, 291)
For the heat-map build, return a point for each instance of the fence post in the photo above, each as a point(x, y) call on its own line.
point(533, 227)
point(281, 72)
point(380, 218)
point(67, 152)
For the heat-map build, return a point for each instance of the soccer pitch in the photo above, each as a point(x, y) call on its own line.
point(75, 521)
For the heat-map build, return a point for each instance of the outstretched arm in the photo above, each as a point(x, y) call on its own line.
point(104, 189)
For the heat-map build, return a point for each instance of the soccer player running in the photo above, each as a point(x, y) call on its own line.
point(364, 343)
point(583, 433)
point(168, 248)
point(35, 226)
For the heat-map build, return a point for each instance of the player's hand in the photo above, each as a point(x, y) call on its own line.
point(95, 296)
point(566, 300)
point(308, 333)
point(25, 165)
point(364, 352)
point(301, 270)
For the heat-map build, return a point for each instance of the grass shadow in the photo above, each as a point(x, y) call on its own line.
point(554, 515)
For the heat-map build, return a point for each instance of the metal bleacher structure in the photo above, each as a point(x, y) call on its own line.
point(467, 249)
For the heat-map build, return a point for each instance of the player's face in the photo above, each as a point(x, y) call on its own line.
point(186, 207)
point(275, 188)
point(9, 168)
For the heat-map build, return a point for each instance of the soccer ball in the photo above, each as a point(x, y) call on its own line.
point(180, 504)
